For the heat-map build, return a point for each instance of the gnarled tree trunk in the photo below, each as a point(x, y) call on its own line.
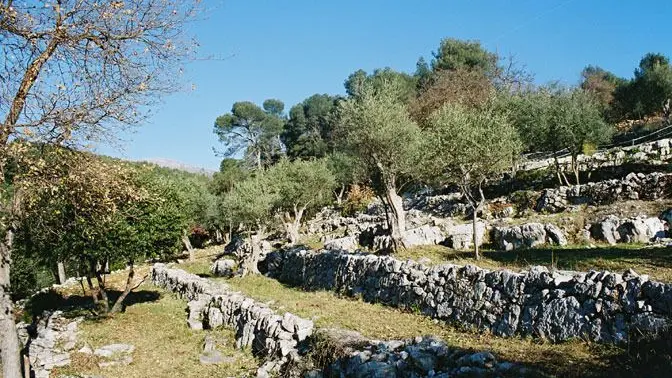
point(249, 263)
point(339, 195)
point(293, 224)
point(396, 218)
point(477, 203)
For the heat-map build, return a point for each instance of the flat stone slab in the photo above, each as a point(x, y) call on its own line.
point(114, 349)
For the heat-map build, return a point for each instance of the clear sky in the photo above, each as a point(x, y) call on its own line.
point(291, 49)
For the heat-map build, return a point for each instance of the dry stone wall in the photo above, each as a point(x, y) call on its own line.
point(635, 186)
point(420, 357)
point(600, 306)
point(657, 152)
point(270, 335)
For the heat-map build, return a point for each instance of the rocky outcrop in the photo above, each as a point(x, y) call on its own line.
point(49, 342)
point(630, 230)
point(346, 243)
point(634, 186)
point(528, 235)
point(115, 354)
point(461, 236)
point(599, 306)
point(270, 335)
point(223, 268)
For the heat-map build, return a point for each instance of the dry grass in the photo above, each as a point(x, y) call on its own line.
point(165, 346)
point(376, 321)
point(656, 262)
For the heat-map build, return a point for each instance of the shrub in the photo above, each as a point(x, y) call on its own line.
point(357, 199)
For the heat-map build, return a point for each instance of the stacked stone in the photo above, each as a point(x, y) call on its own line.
point(634, 186)
point(270, 335)
point(600, 306)
point(421, 357)
point(53, 339)
point(656, 152)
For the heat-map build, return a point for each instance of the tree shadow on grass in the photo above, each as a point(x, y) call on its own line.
point(77, 305)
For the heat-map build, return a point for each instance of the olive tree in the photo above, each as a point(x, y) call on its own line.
point(78, 71)
point(299, 186)
point(250, 204)
point(346, 172)
point(555, 119)
point(376, 129)
point(467, 147)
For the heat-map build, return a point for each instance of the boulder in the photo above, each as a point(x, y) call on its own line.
point(461, 236)
point(348, 243)
point(631, 230)
point(223, 268)
point(528, 235)
point(641, 230)
point(555, 235)
point(606, 230)
point(424, 235)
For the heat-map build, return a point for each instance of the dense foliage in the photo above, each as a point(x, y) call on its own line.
point(466, 147)
point(555, 119)
point(99, 212)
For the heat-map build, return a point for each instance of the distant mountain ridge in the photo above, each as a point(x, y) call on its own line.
point(168, 163)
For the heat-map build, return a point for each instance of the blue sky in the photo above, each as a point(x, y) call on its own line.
point(292, 49)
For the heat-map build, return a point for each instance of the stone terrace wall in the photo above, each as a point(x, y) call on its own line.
point(599, 306)
point(421, 357)
point(272, 336)
point(656, 152)
point(635, 186)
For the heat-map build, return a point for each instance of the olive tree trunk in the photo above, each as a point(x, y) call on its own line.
point(293, 224)
point(396, 219)
point(339, 195)
point(62, 277)
point(188, 247)
point(575, 168)
point(249, 263)
point(477, 203)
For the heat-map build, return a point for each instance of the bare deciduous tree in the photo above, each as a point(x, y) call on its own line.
point(74, 72)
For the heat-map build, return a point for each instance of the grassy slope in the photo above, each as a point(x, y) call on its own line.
point(165, 346)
